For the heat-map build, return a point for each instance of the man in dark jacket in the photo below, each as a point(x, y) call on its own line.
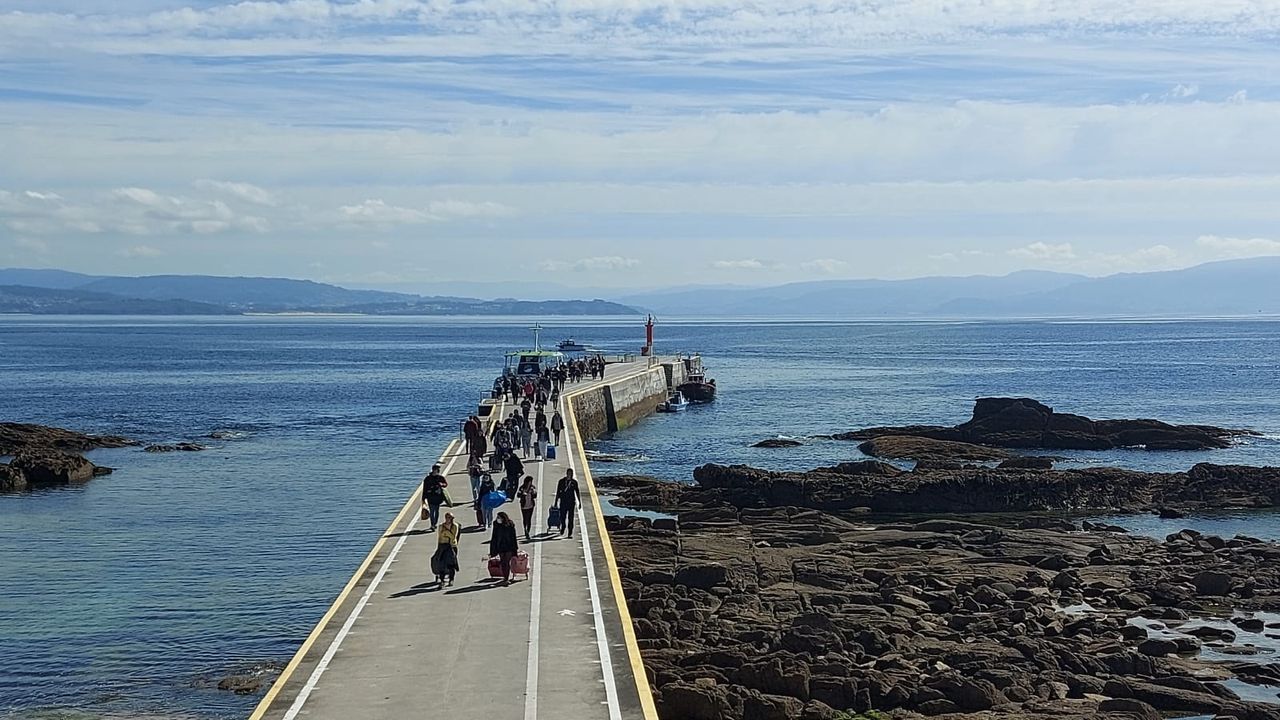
point(567, 498)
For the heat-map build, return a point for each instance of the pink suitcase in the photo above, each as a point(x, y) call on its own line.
point(520, 564)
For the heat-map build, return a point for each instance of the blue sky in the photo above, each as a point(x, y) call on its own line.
point(636, 143)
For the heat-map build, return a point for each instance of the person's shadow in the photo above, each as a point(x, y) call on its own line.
point(486, 584)
point(419, 589)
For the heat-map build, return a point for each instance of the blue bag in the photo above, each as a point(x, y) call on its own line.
point(553, 517)
point(494, 499)
point(551, 452)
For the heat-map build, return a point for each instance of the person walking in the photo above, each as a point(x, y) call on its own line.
point(485, 514)
point(514, 469)
point(475, 471)
point(526, 438)
point(445, 562)
point(470, 429)
point(567, 498)
point(433, 486)
point(544, 437)
point(528, 496)
point(503, 543)
point(557, 425)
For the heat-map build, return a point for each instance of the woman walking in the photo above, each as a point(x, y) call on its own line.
point(526, 438)
point(528, 495)
point(567, 498)
point(504, 544)
point(444, 564)
point(544, 437)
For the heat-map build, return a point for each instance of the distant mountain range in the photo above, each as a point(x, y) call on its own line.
point(1232, 287)
point(50, 292)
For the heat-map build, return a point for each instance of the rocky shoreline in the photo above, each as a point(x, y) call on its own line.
point(43, 456)
point(807, 595)
point(783, 612)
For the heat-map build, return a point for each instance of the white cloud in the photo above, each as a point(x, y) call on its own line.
point(611, 263)
point(1045, 252)
point(1185, 90)
point(825, 266)
point(379, 212)
point(243, 191)
point(1231, 247)
point(744, 264)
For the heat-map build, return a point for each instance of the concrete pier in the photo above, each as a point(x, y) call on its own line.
point(558, 645)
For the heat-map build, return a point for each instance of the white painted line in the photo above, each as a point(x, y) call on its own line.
point(310, 685)
point(535, 609)
point(602, 640)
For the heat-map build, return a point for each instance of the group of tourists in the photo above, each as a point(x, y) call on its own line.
point(509, 435)
point(541, 389)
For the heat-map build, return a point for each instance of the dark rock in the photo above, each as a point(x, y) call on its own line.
point(1213, 583)
point(1158, 647)
point(1026, 423)
point(51, 467)
point(1253, 625)
point(1204, 632)
point(12, 479)
point(1132, 709)
point(1168, 513)
point(778, 443)
point(698, 700)
point(704, 576)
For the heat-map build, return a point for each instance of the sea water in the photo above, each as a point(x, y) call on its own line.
point(118, 596)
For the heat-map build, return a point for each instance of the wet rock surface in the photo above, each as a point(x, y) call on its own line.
point(778, 443)
point(251, 679)
point(790, 612)
point(176, 447)
point(1027, 423)
point(907, 447)
point(883, 488)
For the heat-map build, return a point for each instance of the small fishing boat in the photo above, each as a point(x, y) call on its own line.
point(675, 403)
point(696, 387)
point(571, 345)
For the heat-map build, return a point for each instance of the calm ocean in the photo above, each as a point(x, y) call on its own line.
point(116, 596)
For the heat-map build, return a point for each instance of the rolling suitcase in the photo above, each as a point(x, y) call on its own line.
point(551, 452)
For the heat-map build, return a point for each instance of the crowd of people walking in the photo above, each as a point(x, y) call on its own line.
point(502, 450)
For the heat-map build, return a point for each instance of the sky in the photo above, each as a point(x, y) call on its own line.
point(637, 143)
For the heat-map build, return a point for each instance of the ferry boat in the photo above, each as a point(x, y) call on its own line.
point(696, 387)
point(535, 362)
point(570, 345)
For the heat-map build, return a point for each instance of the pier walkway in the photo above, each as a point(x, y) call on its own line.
point(557, 646)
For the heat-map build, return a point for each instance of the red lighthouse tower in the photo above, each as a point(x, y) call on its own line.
point(647, 350)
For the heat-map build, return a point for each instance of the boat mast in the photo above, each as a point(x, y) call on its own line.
point(537, 332)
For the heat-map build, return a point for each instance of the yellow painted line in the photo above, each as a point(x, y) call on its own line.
point(624, 613)
point(412, 504)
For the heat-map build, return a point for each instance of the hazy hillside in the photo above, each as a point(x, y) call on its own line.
point(857, 298)
point(57, 279)
point(54, 301)
point(1230, 287)
point(243, 293)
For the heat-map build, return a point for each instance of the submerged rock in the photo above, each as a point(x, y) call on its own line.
point(177, 447)
point(778, 443)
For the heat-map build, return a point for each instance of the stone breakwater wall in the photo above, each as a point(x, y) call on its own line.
point(623, 402)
